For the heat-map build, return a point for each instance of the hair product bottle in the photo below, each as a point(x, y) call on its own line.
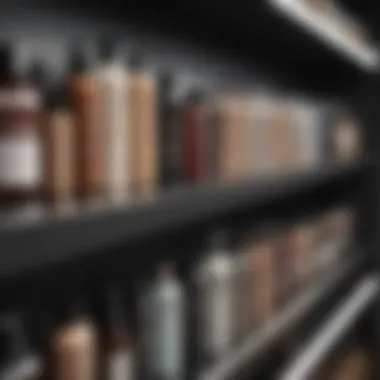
point(215, 279)
point(59, 150)
point(142, 100)
point(73, 345)
point(113, 81)
point(21, 168)
point(85, 100)
point(164, 327)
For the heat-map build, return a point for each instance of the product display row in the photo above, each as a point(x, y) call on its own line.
point(114, 129)
point(232, 292)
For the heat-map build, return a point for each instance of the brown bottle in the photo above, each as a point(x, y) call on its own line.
point(21, 165)
point(59, 150)
point(85, 100)
point(73, 346)
point(119, 356)
point(263, 281)
point(143, 107)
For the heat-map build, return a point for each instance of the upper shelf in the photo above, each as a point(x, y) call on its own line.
point(332, 29)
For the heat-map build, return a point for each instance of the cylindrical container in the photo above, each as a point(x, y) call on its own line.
point(85, 101)
point(143, 103)
point(73, 347)
point(303, 245)
point(59, 150)
point(164, 328)
point(193, 123)
point(263, 281)
point(21, 163)
point(215, 281)
point(234, 119)
point(114, 89)
point(119, 354)
point(171, 134)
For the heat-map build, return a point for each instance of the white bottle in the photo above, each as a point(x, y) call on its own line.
point(164, 326)
point(113, 80)
point(216, 285)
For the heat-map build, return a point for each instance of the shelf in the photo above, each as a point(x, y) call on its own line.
point(262, 340)
point(330, 30)
point(47, 239)
point(307, 360)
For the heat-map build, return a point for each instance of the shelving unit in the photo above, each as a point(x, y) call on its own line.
point(35, 249)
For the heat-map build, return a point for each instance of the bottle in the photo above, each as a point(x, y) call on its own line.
point(192, 121)
point(164, 327)
point(21, 168)
point(119, 355)
point(216, 299)
point(171, 134)
point(59, 150)
point(24, 364)
point(85, 101)
point(113, 81)
point(73, 344)
point(264, 287)
point(144, 119)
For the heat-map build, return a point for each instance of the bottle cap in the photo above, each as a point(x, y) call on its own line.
point(6, 58)
point(166, 269)
point(106, 48)
point(37, 74)
point(80, 61)
point(57, 98)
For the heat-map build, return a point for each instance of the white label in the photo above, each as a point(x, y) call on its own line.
point(120, 366)
point(20, 161)
point(22, 98)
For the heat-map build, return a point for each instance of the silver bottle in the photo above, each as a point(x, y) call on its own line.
point(164, 326)
point(215, 292)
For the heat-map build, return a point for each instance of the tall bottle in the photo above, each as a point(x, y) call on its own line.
point(171, 155)
point(192, 121)
point(216, 305)
point(114, 84)
point(143, 105)
point(85, 100)
point(21, 166)
point(24, 364)
point(164, 327)
point(73, 345)
point(119, 355)
point(59, 149)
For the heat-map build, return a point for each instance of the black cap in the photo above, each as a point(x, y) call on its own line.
point(80, 61)
point(135, 60)
point(195, 96)
point(106, 48)
point(37, 73)
point(57, 97)
point(6, 58)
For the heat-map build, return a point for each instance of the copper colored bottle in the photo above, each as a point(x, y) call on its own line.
point(59, 150)
point(21, 165)
point(73, 346)
point(144, 130)
point(85, 100)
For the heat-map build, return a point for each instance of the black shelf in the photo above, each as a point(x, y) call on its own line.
point(50, 239)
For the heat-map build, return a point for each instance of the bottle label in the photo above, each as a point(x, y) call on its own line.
point(20, 160)
point(120, 366)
